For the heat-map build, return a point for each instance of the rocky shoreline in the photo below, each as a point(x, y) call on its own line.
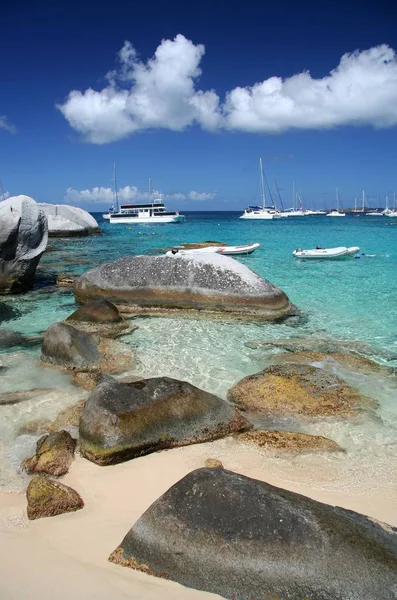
point(214, 529)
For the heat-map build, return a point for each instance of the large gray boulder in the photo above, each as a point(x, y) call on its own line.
point(65, 220)
point(23, 239)
point(121, 421)
point(245, 539)
point(199, 281)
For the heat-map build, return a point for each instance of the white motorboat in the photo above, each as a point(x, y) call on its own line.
point(374, 213)
point(261, 212)
point(338, 252)
point(225, 250)
point(234, 250)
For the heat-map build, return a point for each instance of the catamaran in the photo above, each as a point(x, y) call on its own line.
point(390, 212)
point(338, 212)
point(261, 212)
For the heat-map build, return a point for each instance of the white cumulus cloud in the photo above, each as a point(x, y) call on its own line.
point(6, 125)
point(162, 93)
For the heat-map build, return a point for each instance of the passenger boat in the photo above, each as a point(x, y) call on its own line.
point(339, 252)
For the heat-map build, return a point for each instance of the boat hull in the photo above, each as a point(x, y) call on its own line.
point(128, 220)
point(260, 217)
point(326, 253)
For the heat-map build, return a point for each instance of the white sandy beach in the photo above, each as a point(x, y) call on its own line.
point(66, 556)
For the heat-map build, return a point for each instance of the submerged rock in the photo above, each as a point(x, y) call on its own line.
point(221, 532)
point(54, 454)
point(121, 421)
point(100, 317)
point(323, 345)
point(197, 245)
point(209, 282)
point(18, 396)
point(23, 239)
point(69, 417)
point(66, 280)
point(47, 498)
point(293, 389)
point(66, 221)
point(14, 338)
point(351, 362)
point(289, 441)
point(69, 348)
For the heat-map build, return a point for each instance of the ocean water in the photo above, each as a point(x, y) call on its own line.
point(353, 300)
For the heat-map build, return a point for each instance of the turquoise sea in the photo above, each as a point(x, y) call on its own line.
point(354, 300)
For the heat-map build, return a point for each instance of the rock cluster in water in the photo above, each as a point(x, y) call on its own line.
point(23, 239)
point(208, 282)
point(242, 538)
point(66, 221)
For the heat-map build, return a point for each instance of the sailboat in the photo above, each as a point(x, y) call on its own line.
point(337, 212)
point(375, 212)
point(112, 209)
point(390, 212)
point(294, 211)
point(261, 212)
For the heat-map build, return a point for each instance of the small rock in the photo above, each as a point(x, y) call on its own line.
point(66, 280)
point(213, 463)
point(68, 417)
point(54, 454)
point(47, 498)
point(97, 311)
point(100, 317)
point(289, 441)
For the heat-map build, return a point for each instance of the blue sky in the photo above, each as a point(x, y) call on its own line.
point(169, 122)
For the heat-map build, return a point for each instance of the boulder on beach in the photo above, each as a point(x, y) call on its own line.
point(224, 533)
point(47, 498)
point(121, 421)
point(288, 441)
point(23, 239)
point(208, 282)
point(298, 390)
point(66, 221)
point(100, 317)
point(54, 454)
point(69, 348)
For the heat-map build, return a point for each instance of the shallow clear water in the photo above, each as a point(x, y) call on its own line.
point(353, 300)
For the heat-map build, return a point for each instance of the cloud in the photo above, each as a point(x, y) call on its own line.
point(161, 93)
point(6, 125)
point(202, 195)
point(127, 193)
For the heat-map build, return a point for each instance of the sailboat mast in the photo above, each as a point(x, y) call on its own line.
point(115, 192)
point(262, 185)
point(355, 204)
point(337, 200)
point(293, 195)
point(363, 206)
